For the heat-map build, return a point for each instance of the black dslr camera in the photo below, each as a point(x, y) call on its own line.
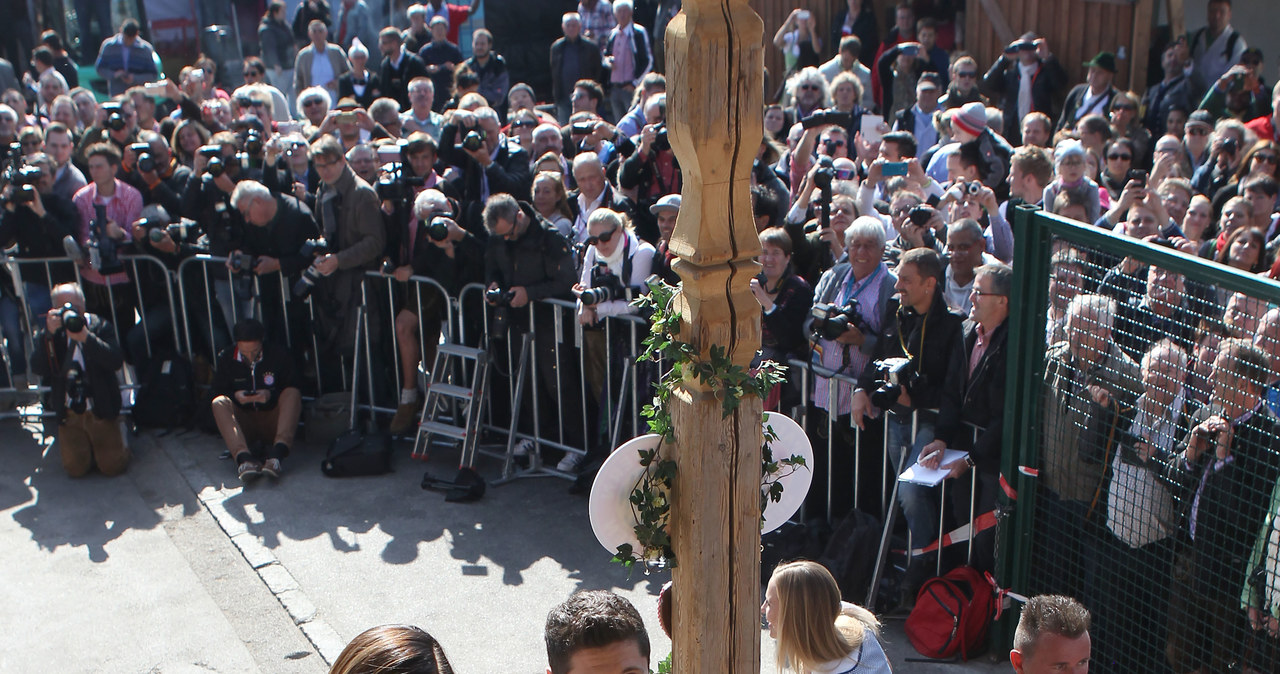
point(183, 231)
point(142, 155)
point(474, 140)
point(894, 374)
point(24, 183)
point(661, 142)
point(438, 230)
point(241, 262)
point(213, 156)
point(825, 174)
point(306, 283)
point(831, 321)
point(115, 120)
point(77, 391)
point(499, 298)
point(72, 319)
point(104, 254)
point(604, 287)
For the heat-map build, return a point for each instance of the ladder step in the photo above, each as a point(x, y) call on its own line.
point(452, 391)
point(437, 428)
point(461, 351)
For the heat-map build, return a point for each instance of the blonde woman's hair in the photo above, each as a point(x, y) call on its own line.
point(614, 219)
point(812, 628)
point(392, 649)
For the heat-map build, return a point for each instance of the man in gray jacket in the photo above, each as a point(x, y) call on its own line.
point(308, 71)
point(126, 59)
point(351, 221)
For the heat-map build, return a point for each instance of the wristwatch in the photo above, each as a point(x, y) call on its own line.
point(968, 459)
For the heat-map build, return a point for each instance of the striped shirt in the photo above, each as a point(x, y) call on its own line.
point(124, 208)
point(846, 358)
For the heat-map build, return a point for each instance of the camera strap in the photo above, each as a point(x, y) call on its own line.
point(852, 291)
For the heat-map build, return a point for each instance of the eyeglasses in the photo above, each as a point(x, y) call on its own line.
point(1269, 158)
point(982, 293)
point(314, 101)
point(810, 87)
point(1125, 157)
point(603, 238)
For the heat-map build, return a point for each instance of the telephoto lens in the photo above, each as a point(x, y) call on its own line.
point(438, 230)
point(474, 140)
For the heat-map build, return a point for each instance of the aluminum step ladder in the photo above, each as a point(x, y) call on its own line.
point(455, 396)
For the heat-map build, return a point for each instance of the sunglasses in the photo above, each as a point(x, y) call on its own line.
point(1125, 157)
point(1124, 106)
point(967, 73)
point(252, 73)
point(810, 87)
point(833, 143)
point(523, 125)
point(1269, 158)
point(603, 238)
point(314, 101)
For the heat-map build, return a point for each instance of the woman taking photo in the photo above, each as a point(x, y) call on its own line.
point(784, 299)
point(817, 633)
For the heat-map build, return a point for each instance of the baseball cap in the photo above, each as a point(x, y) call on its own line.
point(670, 202)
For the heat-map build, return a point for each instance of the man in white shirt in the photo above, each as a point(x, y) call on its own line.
point(1216, 47)
point(420, 116)
point(847, 61)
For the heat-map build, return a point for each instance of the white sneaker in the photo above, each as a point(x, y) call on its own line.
point(523, 447)
point(569, 463)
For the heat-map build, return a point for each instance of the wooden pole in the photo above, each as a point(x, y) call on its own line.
point(715, 98)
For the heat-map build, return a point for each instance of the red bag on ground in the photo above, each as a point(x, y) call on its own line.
point(952, 614)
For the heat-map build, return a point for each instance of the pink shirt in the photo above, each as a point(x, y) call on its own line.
point(124, 208)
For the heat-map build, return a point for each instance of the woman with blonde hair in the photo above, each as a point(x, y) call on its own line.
point(815, 631)
point(551, 201)
point(392, 649)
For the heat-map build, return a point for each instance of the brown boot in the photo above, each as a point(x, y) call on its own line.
point(403, 419)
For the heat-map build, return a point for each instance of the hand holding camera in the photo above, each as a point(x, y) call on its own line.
point(247, 398)
point(70, 318)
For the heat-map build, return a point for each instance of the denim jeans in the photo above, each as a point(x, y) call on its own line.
point(38, 304)
point(919, 503)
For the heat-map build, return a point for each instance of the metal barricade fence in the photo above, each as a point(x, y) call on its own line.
point(414, 295)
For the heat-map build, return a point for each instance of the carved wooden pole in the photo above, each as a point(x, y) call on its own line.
point(715, 94)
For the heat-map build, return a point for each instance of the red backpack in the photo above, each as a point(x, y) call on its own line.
point(952, 614)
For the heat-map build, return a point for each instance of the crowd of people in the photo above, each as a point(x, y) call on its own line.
point(881, 192)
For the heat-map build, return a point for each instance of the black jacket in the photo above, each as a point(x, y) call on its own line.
point(943, 344)
point(273, 373)
point(466, 266)
point(41, 236)
point(508, 173)
point(540, 260)
point(589, 67)
point(304, 15)
point(1075, 98)
point(976, 398)
point(1162, 97)
point(51, 359)
point(168, 192)
point(282, 238)
point(1002, 81)
point(395, 81)
point(372, 90)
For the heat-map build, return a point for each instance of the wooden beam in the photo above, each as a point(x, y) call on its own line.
point(715, 113)
point(995, 16)
point(1177, 21)
point(1144, 22)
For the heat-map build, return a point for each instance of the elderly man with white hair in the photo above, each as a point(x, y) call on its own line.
point(420, 116)
point(320, 63)
point(1087, 379)
point(594, 191)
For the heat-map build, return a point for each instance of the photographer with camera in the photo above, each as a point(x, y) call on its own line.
point(527, 260)
point(652, 170)
point(351, 222)
point(149, 166)
point(256, 401)
point(785, 299)
point(281, 236)
point(436, 247)
point(907, 377)
point(116, 124)
point(37, 221)
point(170, 240)
point(490, 162)
point(107, 205)
point(1238, 94)
point(76, 356)
point(845, 327)
point(614, 268)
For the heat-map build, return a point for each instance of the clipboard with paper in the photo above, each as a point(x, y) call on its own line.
point(931, 477)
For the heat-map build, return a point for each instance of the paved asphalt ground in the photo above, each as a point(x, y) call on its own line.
point(174, 567)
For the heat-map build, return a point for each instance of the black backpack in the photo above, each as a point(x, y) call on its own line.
point(850, 555)
point(167, 398)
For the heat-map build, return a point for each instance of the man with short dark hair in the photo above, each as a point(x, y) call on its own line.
point(846, 60)
point(126, 59)
point(587, 97)
point(1174, 91)
point(1215, 47)
point(441, 56)
point(399, 67)
point(1025, 79)
point(596, 631)
point(1052, 636)
point(256, 401)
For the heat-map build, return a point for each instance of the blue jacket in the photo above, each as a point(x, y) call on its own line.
point(142, 63)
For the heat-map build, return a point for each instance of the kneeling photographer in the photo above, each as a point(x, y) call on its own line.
point(845, 328)
point(526, 260)
point(922, 339)
point(615, 265)
point(77, 358)
point(36, 220)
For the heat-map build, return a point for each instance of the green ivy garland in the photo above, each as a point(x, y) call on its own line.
point(650, 502)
